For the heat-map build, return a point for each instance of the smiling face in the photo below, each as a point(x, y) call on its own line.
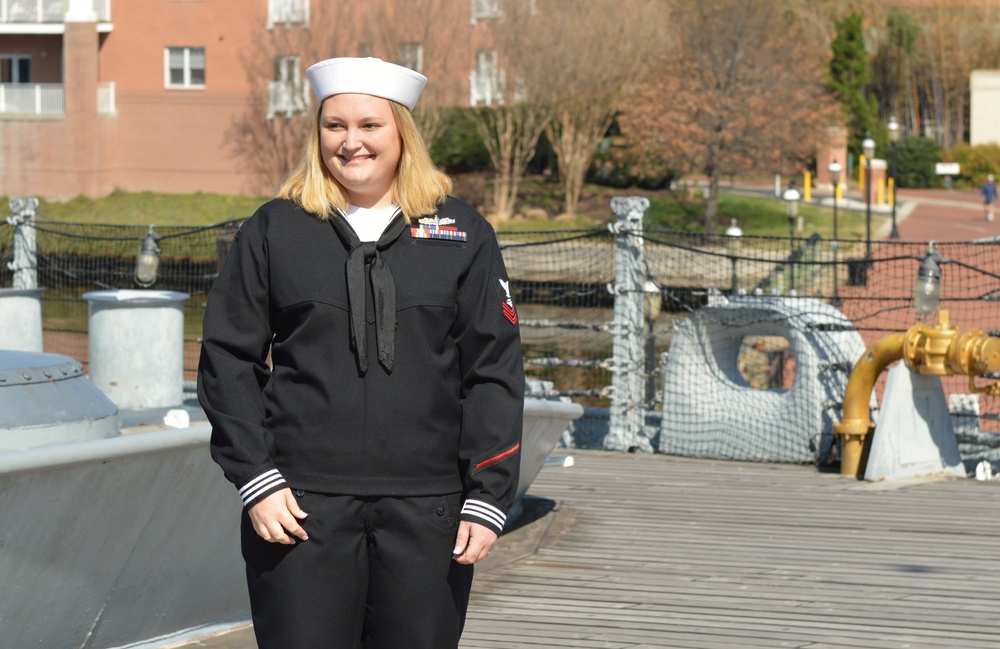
point(361, 147)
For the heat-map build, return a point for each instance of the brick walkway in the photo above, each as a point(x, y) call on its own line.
point(941, 215)
point(945, 217)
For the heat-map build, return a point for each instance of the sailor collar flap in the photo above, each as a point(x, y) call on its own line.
point(359, 255)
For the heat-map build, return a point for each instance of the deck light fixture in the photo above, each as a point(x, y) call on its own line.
point(927, 288)
point(147, 262)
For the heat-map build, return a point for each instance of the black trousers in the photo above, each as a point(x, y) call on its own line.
point(376, 573)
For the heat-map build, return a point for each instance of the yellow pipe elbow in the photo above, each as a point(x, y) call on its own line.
point(942, 350)
point(856, 424)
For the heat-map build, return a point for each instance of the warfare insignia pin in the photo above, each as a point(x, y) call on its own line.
point(436, 220)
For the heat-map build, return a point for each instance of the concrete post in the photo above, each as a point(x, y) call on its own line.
point(137, 346)
point(626, 431)
point(21, 318)
point(20, 308)
point(25, 264)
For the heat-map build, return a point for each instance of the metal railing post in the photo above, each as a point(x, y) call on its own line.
point(25, 263)
point(626, 430)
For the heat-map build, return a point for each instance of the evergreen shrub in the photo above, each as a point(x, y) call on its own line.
point(460, 149)
point(917, 157)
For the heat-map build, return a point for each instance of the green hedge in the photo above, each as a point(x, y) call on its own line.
point(917, 157)
point(460, 149)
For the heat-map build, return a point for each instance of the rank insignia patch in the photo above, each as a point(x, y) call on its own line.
point(506, 301)
point(438, 228)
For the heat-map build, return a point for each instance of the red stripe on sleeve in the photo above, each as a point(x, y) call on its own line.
point(497, 458)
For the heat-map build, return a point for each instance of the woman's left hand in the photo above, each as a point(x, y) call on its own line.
point(473, 543)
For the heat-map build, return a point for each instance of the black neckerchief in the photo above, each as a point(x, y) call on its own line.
point(359, 255)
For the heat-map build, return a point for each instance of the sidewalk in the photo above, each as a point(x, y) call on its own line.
point(943, 215)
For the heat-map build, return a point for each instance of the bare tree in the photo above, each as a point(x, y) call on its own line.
point(956, 40)
point(923, 52)
point(740, 89)
point(426, 36)
point(595, 54)
point(270, 136)
point(510, 84)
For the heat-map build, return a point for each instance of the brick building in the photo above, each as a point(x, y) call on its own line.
point(137, 95)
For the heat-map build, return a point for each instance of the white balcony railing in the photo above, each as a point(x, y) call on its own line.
point(49, 99)
point(32, 99)
point(486, 87)
point(287, 12)
point(288, 97)
point(45, 11)
point(103, 10)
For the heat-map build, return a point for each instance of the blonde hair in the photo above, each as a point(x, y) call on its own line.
point(418, 188)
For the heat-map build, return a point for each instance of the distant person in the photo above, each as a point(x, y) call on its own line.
point(362, 372)
point(989, 192)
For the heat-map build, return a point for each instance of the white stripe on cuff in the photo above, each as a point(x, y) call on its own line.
point(485, 511)
point(260, 484)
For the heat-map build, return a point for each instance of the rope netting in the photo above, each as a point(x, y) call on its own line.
point(563, 283)
point(74, 258)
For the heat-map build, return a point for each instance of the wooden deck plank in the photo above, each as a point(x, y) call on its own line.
point(628, 551)
point(659, 551)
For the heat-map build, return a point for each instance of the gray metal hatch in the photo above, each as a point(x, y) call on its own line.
point(47, 399)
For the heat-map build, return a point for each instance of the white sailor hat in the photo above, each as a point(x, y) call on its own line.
point(366, 76)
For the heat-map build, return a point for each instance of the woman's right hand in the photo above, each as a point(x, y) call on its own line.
point(276, 518)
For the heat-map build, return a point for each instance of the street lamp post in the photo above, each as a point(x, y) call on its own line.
point(791, 197)
point(894, 138)
point(734, 237)
point(868, 148)
point(835, 170)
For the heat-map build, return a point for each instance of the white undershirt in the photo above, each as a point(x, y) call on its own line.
point(369, 224)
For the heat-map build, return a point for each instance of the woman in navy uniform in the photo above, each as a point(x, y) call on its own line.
point(362, 371)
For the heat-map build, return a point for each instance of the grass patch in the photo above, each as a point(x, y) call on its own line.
point(145, 208)
point(755, 215)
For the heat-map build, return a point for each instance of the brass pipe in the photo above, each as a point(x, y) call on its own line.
point(855, 427)
point(942, 350)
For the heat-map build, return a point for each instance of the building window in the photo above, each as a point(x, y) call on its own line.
point(486, 9)
point(411, 55)
point(15, 68)
point(287, 93)
point(287, 12)
point(486, 80)
point(185, 67)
